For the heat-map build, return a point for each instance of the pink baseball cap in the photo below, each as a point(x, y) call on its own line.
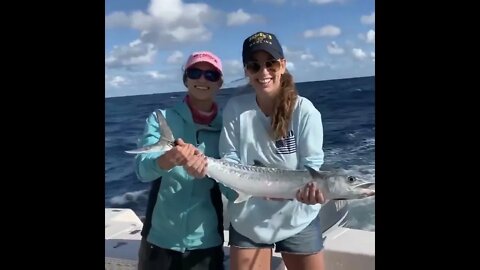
point(204, 56)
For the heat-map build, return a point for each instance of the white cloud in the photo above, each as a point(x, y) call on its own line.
point(306, 56)
point(185, 34)
point(240, 17)
point(142, 21)
point(167, 11)
point(368, 19)
point(135, 54)
point(233, 67)
point(117, 19)
point(318, 64)
point(166, 26)
point(175, 58)
point(156, 75)
point(134, 43)
point(133, 83)
point(333, 48)
point(326, 31)
point(371, 36)
point(358, 54)
point(117, 81)
point(168, 22)
point(295, 55)
point(290, 66)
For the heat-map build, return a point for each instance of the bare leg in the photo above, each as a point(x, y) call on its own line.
point(304, 262)
point(250, 258)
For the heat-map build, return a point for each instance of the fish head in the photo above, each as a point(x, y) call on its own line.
point(347, 187)
point(340, 185)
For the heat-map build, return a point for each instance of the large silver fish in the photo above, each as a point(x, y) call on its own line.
point(262, 181)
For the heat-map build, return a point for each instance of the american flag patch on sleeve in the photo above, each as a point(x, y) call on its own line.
point(286, 145)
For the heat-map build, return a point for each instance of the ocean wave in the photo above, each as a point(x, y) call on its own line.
point(129, 198)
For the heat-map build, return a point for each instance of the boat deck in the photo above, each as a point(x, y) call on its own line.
point(345, 248)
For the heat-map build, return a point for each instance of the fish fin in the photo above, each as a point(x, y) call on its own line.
point(258, 163)
point(319, 177)
point(138, 150)
point(163, 145)
point(165, 131)
point(166, 138)
point(315, 174)
point(242, 197)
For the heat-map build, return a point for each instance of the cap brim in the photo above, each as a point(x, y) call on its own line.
point(263, 47)
point(204, 61)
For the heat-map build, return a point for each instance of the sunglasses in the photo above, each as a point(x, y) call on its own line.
point(210, 75)
point(271, 65)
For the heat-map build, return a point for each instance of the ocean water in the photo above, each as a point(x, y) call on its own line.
point(348, 114)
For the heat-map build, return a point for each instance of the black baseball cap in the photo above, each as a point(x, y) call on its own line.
point(261, 41)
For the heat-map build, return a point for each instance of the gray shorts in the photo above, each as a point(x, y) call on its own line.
point(308, 241)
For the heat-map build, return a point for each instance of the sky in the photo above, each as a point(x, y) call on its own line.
point(148, 41)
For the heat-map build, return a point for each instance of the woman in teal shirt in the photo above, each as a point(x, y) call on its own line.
point(185, 229)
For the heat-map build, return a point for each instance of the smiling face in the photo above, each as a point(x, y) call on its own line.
point(203, 81)
point(264, 73)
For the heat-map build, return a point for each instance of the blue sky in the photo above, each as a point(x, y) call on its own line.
point(148, 41)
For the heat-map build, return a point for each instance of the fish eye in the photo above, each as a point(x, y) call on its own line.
point(351, 179)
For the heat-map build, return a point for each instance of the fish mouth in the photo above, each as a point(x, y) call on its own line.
point(368, 192)
point(366, 189)
point(365, 185)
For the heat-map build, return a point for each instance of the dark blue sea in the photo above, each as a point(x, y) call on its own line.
point(348, 113)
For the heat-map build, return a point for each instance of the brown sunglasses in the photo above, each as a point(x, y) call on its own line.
point(254, 66)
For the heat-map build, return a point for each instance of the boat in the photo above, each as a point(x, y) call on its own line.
point(345, 248)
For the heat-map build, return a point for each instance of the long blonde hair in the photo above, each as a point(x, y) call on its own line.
point(283, 106)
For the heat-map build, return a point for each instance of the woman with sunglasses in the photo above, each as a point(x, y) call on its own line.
point(184, 224)
point(281, 129)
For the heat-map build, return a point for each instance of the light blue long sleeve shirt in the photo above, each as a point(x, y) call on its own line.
point(244, 138)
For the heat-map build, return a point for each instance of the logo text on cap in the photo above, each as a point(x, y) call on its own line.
point(205, 55)
point(260, 38)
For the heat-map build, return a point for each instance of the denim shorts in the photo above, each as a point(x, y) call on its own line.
point(308, 241)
